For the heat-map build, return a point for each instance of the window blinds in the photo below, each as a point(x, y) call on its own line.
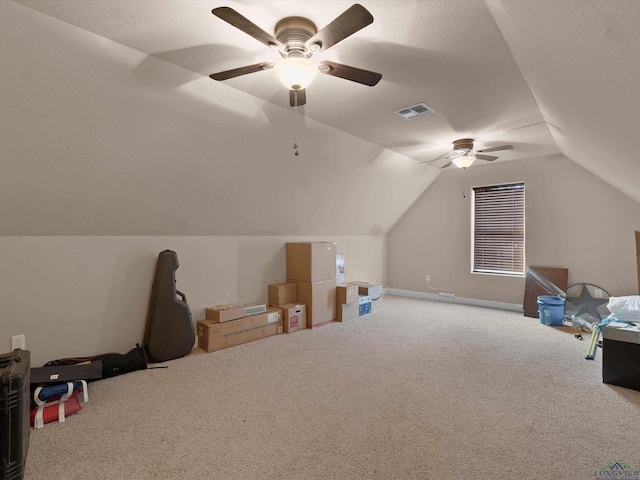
point(498, 229)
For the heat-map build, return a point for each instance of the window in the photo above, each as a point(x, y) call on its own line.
point(497, 229)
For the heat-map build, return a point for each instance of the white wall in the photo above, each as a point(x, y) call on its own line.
point(78, 296)
point(574, 220)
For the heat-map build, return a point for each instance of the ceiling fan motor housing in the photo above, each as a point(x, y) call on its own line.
point(293, 33)
point(465, 144)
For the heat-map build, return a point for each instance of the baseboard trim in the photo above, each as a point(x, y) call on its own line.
point(474, 302)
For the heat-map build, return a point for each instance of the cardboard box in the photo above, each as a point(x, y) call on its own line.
point(348, 311)
point(377, 303)
point(224, 313)
point(276, 311)
point(347, 293)
point(364, 302)
point(311, 262)
point(214, 336)
point(282, 293)
point(294, 317)
point(320, 299)
point(340, 276)
point(373, 290)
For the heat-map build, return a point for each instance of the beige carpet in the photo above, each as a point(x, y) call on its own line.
point(415, 390)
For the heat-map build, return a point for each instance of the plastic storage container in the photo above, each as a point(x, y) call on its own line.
point(551, 310)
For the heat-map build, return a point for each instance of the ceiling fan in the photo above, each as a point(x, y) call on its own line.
point(463, 154)
point(297, 39)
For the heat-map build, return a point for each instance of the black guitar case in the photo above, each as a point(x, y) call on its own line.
point(169, 332)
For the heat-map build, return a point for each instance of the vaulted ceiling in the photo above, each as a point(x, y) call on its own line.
point(546, 76)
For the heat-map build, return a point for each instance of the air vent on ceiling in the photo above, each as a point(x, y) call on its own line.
point(415, 111)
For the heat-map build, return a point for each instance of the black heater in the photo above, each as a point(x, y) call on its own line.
point(15, 372)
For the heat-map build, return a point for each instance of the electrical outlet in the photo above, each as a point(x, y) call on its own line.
point(428, 277)
point(18, 341)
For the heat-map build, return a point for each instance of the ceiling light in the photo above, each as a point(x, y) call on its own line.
point(464, 161)
point(295, 73)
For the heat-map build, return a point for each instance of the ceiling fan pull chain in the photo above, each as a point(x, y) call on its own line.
point(464, 183)
point(295, 141)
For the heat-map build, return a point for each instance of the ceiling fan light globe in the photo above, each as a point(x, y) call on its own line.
point(464, 161)
point(295, 72)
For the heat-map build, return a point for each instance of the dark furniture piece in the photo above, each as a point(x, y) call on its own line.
point(621, 357)
point(14, 413)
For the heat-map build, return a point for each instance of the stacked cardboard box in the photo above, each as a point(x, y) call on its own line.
point(294, 316)
point(364, 304)
point(355, 299)
point(373, 290)
point(347, 302)
point(215, 335)
point(347, 293)
point(224, 313)
point(312, 267)
point(284, 296)
point(282, 293)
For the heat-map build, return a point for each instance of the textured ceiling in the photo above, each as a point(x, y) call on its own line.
point(547, 76)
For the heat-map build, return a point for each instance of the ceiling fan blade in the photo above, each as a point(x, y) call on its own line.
point(447, 165)
point(486, 158)
point(232, 17)
point(349, 22)
point(354, 74)
point(447, 155)
point(301, 100)
point(236, 72)
point(495, 149)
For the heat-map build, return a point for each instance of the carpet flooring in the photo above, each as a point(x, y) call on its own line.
point(415, 390)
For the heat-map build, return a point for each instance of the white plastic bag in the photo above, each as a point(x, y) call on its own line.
point(628, 304)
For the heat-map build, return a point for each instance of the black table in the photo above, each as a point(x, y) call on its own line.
point(621, 357)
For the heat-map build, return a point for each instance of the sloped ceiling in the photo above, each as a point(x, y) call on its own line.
point(450, 55)
point(547, 76)
point(578, 58)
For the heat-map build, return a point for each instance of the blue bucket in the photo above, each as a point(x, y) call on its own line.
point(551, 310)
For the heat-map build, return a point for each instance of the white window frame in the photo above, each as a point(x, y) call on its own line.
point(498, 245)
